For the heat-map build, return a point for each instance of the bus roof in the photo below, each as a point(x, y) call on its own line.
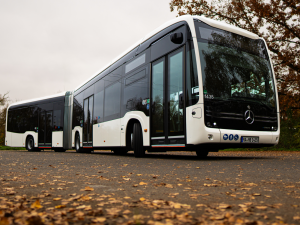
point(187, 18)
point(37, 99)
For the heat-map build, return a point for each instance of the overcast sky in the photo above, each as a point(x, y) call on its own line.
point(50, 46)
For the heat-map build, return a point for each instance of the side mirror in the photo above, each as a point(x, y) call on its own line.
point(177, 38)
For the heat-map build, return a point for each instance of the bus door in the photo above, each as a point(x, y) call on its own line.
point(167, 101)
point(45, 129)
point(88, 106)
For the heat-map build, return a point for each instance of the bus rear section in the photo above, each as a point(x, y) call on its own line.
point(39, 123)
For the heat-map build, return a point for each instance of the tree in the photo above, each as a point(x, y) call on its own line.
point(3, 107)
point(277, 21)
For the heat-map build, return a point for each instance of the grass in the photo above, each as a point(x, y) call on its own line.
point(11, 148)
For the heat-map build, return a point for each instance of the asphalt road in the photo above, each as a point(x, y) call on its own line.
point(162, 188)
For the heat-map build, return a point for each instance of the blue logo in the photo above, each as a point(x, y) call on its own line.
point(225, 137)
point(230, 137)
point(148, 106)
point(236, 137)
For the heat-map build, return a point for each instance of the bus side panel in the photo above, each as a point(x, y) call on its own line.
point(57, 139)
point(8, 139)
point(144, 121)
point(107, 133)
point(196, 132)
point(17, 140)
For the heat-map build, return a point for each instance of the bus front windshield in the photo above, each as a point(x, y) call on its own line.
point(234, 67)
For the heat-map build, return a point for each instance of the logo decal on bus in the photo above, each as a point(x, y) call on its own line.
point(225, 137)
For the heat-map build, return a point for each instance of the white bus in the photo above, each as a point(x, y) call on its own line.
point(193, 84)
point(40, 123)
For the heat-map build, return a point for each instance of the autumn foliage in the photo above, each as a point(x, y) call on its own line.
point(3, 107)
point(277, 21)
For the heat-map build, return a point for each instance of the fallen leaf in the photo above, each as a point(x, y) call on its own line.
point(261, 207)
point(127, 211)
point(60, 206)
point(224, 206)
point(256, 194)
point(36, 205)
point(87, 188)
point(81, 207)
point(99, 220)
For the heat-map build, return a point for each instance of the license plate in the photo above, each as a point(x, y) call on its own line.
point(249, 139)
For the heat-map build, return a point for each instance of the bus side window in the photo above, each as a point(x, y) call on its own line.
point(112, 98)
point(192, 84)
point(98, 102)
point(136, 91)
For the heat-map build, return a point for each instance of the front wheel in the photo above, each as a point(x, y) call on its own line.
point(137, 140)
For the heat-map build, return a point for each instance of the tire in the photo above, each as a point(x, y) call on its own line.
point(137, 141)
point(201, 153)
point(77, 144)
point(30, 145)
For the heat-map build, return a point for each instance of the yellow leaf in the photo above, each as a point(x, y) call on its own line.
point(99, 220)
point(87, 188)
point(261, 207)
point(142, 183)
point(60, 206)
point(36, 204)
point(142, 199)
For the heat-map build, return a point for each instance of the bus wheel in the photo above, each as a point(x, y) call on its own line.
point(201, 153)
point(30, 144)
point(137, 141)
point(77, 144)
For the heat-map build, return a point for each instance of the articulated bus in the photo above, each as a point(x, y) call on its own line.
point(193, 84)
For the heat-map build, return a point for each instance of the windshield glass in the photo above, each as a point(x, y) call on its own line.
point(234, 67)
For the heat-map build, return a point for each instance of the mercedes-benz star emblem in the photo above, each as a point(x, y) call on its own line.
point(249, 117)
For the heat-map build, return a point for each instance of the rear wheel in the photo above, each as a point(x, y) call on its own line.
point(201, 153)
point(137, 140)
point(30, 145)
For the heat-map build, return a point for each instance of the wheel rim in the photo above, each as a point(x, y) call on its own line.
point(77, 144)
point(30, 144)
